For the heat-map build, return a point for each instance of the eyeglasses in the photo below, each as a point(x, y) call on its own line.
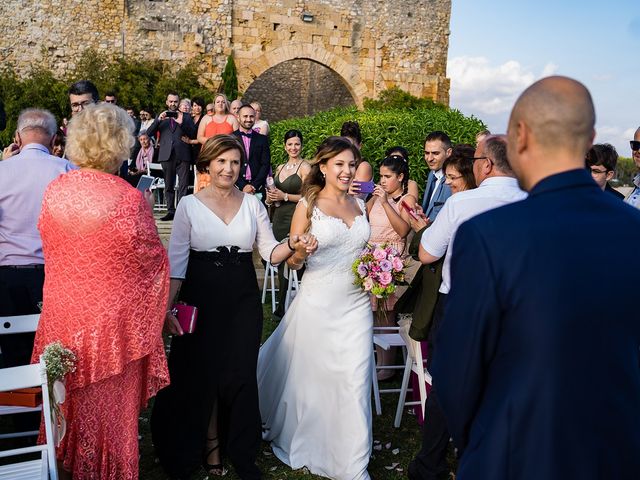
point(109, 101)
point(635, 145)
point(75, 107)
point(452, 177)
point(595, 171)
point(473, 159)
point(209, 110)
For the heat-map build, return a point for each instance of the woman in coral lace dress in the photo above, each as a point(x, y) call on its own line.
point(105, 297)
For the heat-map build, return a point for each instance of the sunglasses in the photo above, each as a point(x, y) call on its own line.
point(635, 145)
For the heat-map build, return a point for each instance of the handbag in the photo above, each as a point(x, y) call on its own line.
point(187, 316)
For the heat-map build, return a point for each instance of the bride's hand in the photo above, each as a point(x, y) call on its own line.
point(310, 243)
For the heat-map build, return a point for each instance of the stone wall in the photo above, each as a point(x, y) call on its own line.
point(297, 88)
point(370, 44)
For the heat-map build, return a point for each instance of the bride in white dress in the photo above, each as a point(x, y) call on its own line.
point(314, 372)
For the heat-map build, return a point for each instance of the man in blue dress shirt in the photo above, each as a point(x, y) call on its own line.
point(437, 148)
point(537, 371)
point(23, 180)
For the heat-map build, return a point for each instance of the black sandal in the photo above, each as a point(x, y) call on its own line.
point(218, 469)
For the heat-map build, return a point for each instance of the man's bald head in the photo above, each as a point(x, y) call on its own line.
point(559, 113)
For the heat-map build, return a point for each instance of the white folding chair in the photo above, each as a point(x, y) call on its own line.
point(44, 467)
point(157, 187)
point(386, 338)
point(292, 287)
point(8, 326)
point(269, 285)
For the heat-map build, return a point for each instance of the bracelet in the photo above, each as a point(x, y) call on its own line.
point(289, 245)
point(286, 197)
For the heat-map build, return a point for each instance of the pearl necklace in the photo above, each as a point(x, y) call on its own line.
point(290, 166)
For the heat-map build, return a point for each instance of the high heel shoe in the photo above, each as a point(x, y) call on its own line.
point(218, 469)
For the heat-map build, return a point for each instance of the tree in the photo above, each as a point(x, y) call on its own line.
point(230, 79)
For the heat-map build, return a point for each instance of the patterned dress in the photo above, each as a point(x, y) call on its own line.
point(105, 295)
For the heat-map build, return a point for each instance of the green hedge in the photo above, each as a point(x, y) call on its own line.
point(381, 128)
point(136, 83)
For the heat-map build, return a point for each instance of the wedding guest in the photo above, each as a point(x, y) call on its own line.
point(211, 404)
point(261, 126)
point(633, 198)
point(257, 167)
point(218, 121)
point(98, 258)
point(185, 105)
point(412, 186)
point(283, 199)
point(420, 299)
point(364, 170)
point(145, 157)
point(389, 225)
point(235, 107)
point(601, 161)
point(146, 119)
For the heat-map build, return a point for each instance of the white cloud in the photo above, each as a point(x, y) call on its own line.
point(489, 91)
point(617, 136)
point(481, 88)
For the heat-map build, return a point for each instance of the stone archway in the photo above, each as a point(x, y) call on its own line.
point(297, 88)
point(249, 70)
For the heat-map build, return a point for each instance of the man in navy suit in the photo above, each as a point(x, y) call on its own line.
point(174, 154)
point(537, 371)
point(253, 173)
point(437, 148)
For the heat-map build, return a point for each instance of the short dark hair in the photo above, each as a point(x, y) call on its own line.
point(174, 94)
point(199, 101)
point(110, 93)
point(495, 147)
point(215, 146)
point(245, 105)
point(292, 134)
point(351, 130)
point(438, 135)
point(82, 87)
point(404, 153)
point(461, 160)
point(602, 154)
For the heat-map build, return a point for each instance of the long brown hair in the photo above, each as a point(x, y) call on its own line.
point(314, 181)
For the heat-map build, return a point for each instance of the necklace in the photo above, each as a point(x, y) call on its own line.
point(291, 166)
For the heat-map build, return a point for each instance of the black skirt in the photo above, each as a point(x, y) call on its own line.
point(216, 362)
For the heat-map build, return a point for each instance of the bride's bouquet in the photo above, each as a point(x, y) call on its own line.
point(379, 270)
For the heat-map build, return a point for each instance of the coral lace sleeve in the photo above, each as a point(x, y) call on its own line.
point(107, 278)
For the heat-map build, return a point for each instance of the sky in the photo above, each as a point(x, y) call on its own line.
point(498, 48)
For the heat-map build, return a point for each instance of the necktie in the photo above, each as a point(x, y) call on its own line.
point(172, 123)
point(428, 192)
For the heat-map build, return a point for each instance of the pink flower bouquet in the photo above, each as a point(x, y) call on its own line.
point(379, 270)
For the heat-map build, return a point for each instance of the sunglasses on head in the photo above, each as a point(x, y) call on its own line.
point(635, 145)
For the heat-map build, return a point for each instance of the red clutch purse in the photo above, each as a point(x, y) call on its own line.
point(187, 316)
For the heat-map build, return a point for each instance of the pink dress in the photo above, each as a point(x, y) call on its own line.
point(105, 294)
point(383, 232)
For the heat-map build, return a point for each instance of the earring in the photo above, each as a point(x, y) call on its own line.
point(324, 175)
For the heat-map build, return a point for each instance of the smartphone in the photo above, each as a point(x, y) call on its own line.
point(409, 210)
point(170, 114)
point(145, 182)
point(365, 187)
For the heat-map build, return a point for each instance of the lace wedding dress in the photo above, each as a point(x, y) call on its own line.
point(314, 372)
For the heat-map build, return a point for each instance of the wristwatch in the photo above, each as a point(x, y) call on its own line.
point(286, 197)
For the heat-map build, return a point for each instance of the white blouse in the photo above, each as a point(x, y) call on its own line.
point(196, 227)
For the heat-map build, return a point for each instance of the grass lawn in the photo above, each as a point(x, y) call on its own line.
point(385, 464)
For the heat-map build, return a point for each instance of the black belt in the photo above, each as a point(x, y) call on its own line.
point(225, 256)
point(33, 266)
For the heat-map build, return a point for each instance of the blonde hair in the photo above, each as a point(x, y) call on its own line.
point(100, 137)
point(314, 182)
point(226, 101)
point(216, 146)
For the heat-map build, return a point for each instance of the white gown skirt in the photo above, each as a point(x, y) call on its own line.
point(314, 379)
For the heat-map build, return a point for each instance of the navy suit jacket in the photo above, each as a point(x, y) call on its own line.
point(171, 138)
point(431, 207)
point(259, 160)
point(537, 364)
